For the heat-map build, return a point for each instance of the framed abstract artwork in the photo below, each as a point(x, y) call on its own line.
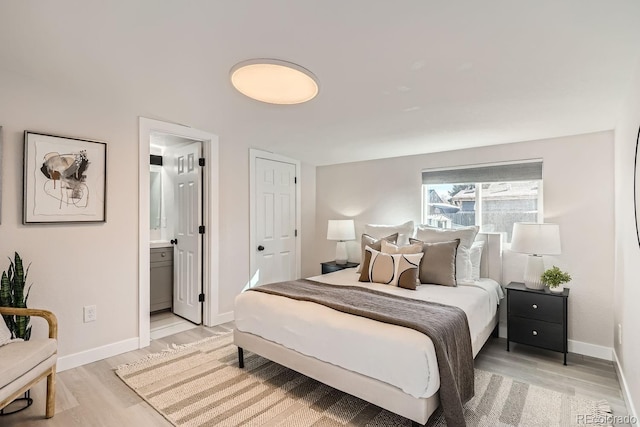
point(1, 172)
point(636, 187)
point(64, 179)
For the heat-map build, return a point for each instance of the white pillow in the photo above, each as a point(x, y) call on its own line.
point(5, 333)
point(463, 258)
point(390, 248)
point(475, 254)
point(379, 231)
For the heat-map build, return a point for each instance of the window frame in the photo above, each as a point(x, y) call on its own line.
point(479, 200)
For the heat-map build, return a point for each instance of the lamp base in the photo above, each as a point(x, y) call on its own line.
point(533, 272)
point(341, 253)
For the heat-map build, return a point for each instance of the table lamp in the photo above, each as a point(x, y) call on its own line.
point(536, 240)
point(341, 230)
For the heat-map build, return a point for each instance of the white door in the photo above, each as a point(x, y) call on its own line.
point(275, 220)
point(187, 268)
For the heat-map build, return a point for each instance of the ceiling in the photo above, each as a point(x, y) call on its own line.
point(396, 78)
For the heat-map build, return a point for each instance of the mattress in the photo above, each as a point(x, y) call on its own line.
point(393, 354)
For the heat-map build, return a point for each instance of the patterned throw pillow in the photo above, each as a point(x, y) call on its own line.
point(396, 270)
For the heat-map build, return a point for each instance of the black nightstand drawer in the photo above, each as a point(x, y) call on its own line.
point(536, 306)
point(331, 266)
point(537, 333)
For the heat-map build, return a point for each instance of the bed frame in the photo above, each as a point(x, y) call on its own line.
point(371, 390)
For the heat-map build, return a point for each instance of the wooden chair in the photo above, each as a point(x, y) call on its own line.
point(23, 364)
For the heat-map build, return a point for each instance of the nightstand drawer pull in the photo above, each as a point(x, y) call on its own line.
point(535, 333)
point(535, 306)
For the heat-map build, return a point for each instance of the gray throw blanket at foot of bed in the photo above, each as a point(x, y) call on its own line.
point(447, 327)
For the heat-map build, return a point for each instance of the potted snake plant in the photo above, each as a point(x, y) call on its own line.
point(12, 294)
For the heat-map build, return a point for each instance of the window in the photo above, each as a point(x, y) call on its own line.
point(493, 197)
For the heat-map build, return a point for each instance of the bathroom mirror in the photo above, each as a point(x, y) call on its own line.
point(155, 196)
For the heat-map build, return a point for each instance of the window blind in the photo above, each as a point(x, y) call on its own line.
point(498, 172)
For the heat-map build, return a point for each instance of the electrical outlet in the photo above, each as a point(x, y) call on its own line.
point(90, 313)
point(619, 333)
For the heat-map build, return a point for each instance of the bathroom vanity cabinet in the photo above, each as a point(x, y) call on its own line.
point(161, 278)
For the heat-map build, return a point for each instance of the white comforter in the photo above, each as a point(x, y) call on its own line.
point(393, 354)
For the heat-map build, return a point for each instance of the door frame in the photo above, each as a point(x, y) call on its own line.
point(253, 260)
point(211, 311)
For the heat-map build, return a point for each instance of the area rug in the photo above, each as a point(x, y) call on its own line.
point(199, 384)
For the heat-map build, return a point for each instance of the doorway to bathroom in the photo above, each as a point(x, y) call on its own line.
point(178, 228)
point(177, 234)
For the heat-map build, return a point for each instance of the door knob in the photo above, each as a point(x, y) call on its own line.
point(260, 248)
point(174, 241)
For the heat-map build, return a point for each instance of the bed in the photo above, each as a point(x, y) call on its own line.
point(400, 371)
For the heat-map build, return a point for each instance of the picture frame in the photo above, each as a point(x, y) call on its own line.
point(64, 179)
point(1, 173)
point(636, 187)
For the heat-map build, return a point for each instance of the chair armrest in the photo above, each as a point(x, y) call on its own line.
point(47, 315)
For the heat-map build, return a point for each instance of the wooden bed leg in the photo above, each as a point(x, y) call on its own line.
point(240, 358)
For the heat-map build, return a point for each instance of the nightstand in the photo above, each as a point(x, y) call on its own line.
point(537, 317)
point(331, 266)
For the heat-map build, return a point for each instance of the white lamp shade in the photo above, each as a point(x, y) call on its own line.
point(539, 239)
point(341, 229)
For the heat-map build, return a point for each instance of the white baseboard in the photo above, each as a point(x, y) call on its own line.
point(95, 354)
point(577, 347)
point(502, 331)
point(625, 390)
point(593, 350)
point(222, 318)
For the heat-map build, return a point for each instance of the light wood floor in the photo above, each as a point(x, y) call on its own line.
point(92, 395)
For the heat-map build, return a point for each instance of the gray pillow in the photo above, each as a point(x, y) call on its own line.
point(375, 244)
point(438, 265)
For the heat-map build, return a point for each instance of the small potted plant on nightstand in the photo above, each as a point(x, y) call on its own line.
point(554, 278)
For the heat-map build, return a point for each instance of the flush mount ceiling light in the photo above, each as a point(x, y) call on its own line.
point(274, 81)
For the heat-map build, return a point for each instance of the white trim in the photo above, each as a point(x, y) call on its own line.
point(224, 318)
point(624, 385)
point(502, 330)
point(578, 347)
point(593, 350)
point(253, 154)
point(210, 219)
point(212, 243)
point(98, 353)
point(165, 331)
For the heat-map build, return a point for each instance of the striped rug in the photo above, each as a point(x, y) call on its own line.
point(199, 384)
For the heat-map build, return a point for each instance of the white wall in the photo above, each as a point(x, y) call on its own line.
point(80, 264)
point(308, 207)
point(578, 194)
point(627, 256)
